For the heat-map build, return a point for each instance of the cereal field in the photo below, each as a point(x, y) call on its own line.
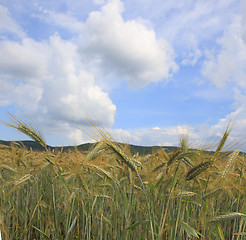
point(106, 193)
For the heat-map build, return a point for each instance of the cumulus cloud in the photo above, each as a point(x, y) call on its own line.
point(143, 137)
point(161, 136)
point(24, 61)
point(127, 48)
point(199, 136)
point(53, 80)
point(77, 94)
point(47, 80)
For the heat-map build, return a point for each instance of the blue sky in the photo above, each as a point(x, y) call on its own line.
point(147, 71)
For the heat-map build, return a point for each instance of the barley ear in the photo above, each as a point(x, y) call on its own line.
point(173, 157)
point(197, 170)
point(223, 139)
point(96, 151)
point(187, 161)
point(28, 128)
point(231, 159)
point(213, 193)
point(130, 162)
point(227, 217)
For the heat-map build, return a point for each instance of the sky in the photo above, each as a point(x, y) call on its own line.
point(148, 71)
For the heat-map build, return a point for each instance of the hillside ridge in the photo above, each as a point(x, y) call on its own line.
point(141, 150)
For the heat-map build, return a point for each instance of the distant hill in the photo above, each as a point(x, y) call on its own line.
point(85, 147)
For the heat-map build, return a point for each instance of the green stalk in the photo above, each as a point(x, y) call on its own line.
point(148, 207)
point(180, 203)
point(168, 201)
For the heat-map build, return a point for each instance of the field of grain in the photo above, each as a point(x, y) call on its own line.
point(105, 193)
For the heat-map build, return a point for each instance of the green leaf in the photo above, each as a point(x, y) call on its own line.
point(64, 183)
point(160, 180)
point(240, 234)
point(46, 176)
point(71, 227)
point(94, 203)
point(44, 235)
point(175, 179)
point(152, 187)
point(220, 232)
point(136, 224)
point(188, 229)
point(198, 203)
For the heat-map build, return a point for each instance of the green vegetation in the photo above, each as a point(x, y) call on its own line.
point(106, 193)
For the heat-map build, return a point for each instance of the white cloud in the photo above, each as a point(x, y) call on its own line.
point(76, 137)
point(227, 67)
point(153, 137)
point(192, 57)
point(8, 25)
point(99, 2)
point(64, 20)
point(127, 48)
point(200, 136)
point(25, 61)
point(238, 116)
point(188, 25)
point(47, 80)
point(145, 137)
point(71, 90)
point(229, 64)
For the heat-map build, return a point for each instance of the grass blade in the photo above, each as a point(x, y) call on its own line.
point(44, 235)
point(46, 176)
point(191, 232)
point(71, 228)
point(64, 183)
point(136, 224)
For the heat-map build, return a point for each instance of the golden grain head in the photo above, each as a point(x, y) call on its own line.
point(197, 170)
point(28, 128)
point(227, 217)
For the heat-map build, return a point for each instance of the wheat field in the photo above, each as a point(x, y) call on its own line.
point(106, 193)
